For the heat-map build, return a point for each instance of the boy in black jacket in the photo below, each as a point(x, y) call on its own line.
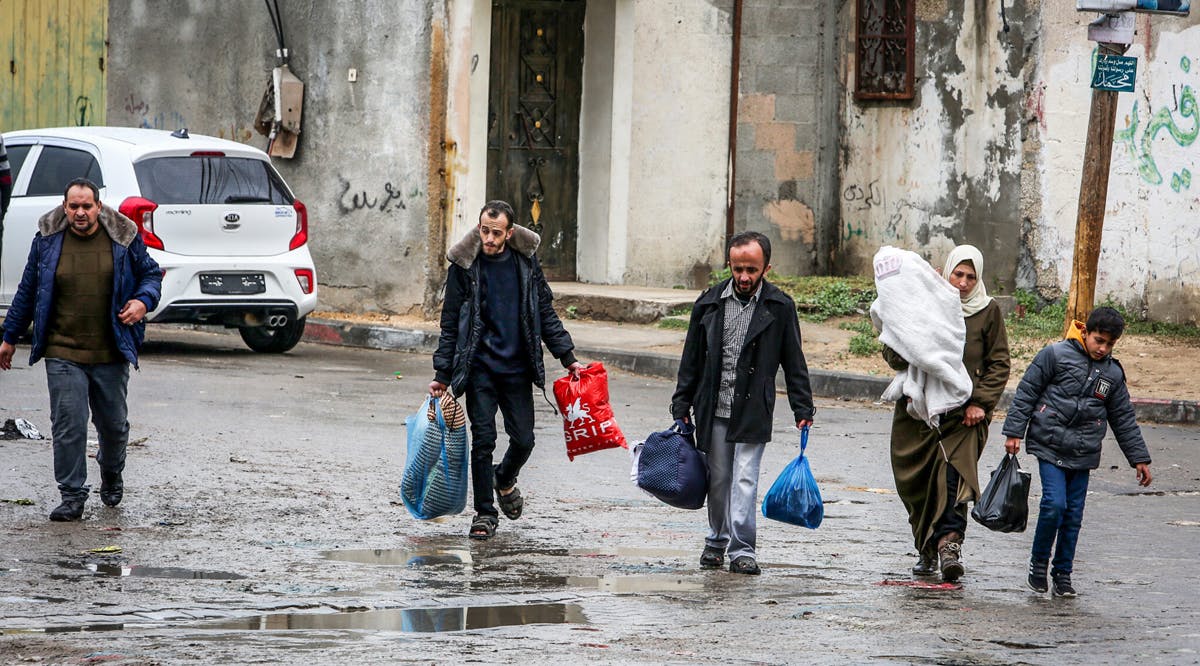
point(1063, 402)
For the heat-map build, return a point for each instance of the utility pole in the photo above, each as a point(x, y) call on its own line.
point(1093, 193)
point(1113, 73)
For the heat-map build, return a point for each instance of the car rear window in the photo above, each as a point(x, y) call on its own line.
point(209, 179)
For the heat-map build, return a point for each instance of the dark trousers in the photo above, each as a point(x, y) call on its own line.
point(77, 390)
point(954, 516)
point(1060, 515)
point(513, 395)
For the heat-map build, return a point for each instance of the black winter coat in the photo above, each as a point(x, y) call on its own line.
point(773, 340)
point(1064, 403)
point(462, 323)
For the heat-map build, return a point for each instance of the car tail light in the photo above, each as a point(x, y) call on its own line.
point(301, 236)
point(306, 279)
point(141, 211)
point(208, 153)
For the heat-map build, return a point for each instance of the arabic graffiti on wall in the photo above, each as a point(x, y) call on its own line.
point(1178, 120)
point(389, 198)
point(163, 120)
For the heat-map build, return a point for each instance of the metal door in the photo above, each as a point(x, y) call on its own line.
point(53, 57)
point(533, 121)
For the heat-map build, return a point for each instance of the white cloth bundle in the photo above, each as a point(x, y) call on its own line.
point(918, 314)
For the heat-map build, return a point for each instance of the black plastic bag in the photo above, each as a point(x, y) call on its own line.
point(1004, 504)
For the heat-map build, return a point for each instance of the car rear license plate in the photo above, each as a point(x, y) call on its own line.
point(232, 284)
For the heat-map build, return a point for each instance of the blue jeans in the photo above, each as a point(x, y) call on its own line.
point(75, 390)
point(1060, 515)
point(513, 396)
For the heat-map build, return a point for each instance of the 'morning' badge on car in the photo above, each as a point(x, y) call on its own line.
point(284, 211)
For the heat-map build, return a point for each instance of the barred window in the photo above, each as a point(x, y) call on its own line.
point(883, 53)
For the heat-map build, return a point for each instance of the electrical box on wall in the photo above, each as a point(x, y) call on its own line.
point(289, 102)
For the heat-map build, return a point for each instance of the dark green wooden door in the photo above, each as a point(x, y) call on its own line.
point(533, 121)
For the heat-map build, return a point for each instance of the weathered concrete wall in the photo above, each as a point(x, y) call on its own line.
point(945, 168)
point(1150, 253)
point(678, 147)
point(363, 164)
point(785, 182)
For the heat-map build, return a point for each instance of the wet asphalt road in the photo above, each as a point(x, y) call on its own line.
point(261, 523)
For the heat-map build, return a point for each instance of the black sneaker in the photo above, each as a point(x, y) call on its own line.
point(1037, 577)
point(1063, 587)
point(712, 558)
point(67, 511)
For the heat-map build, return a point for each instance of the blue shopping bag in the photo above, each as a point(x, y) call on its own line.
point(794, 497)
point(435, 474)
point(670, 468)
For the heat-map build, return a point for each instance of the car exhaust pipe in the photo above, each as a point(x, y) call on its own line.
point(277, 321)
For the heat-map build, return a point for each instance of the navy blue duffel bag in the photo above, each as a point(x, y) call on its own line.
point(671, 469)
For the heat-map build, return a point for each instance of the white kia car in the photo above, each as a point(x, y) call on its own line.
point(229, 235)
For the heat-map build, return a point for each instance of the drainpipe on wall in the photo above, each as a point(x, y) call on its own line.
point(734, 92)
point(436, 204)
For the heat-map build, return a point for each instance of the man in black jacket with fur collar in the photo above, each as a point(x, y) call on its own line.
point(496, 315)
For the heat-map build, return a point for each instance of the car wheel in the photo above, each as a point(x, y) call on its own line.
point(273, 340)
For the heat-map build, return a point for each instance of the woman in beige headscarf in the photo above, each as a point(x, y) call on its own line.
point(936, 469)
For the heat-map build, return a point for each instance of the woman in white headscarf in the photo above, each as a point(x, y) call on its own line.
point(936, 469)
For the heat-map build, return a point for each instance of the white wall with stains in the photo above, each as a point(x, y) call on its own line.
point(1150, 252)
point(945, 168)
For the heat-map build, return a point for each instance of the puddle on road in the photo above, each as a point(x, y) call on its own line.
point(33, 600)
point(120, 570)
point(414, 620)
point(69, 629)
point(398, 557)
point(631, 552)
point(636, 584)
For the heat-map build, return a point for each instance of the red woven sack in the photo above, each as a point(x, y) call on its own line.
point(588, 421)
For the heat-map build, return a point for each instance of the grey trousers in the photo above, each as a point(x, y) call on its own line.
point(75, 390)
point(732, 492)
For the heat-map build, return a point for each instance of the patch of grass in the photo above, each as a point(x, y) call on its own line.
point(673, 324)
point(1033, 320)
point(719, 276)
point(806, 290)
point(1137, 325)
point(865, 342)
point(681, 311)
point(572, 312)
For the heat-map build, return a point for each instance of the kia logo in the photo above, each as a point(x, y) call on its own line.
point(232, 217)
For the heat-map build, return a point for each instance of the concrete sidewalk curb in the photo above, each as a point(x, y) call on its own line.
point(825, 383)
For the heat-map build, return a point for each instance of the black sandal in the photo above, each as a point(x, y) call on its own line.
point(511, 504)
point(483, 527)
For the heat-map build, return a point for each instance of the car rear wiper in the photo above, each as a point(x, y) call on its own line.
point(246, 198)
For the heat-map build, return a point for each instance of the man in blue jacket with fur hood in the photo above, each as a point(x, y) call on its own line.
point(87, 287)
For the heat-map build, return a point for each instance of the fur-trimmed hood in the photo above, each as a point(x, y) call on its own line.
point(466, 250)
point(120, 228)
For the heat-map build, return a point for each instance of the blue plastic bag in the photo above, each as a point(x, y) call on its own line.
point(435, 473)
point(671, 469)
point(794, 497)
